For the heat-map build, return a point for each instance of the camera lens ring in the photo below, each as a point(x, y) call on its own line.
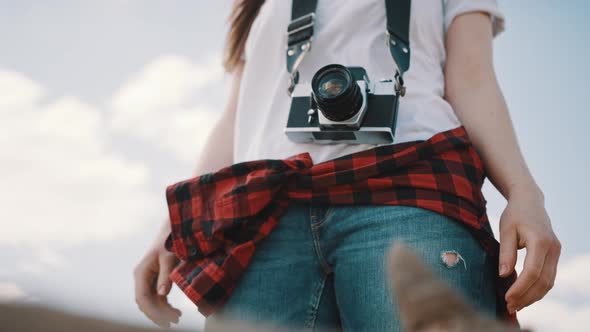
point(336, 93)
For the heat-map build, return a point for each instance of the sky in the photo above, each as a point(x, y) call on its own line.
point(105, 103)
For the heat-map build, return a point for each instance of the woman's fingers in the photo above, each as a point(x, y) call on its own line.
point(533, 266)
point(154, 306)
point(154, 311)
point(508, 250)
point(545, 281)
point(144, 295)
point(167, 262)
point(172, 313)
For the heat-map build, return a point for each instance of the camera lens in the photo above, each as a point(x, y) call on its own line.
point(337, 94)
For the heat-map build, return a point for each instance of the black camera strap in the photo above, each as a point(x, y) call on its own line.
point(301, 28)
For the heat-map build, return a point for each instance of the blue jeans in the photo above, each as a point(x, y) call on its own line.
point(323, 267)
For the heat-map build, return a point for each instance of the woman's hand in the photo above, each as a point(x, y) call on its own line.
point(151, 274)
point(525, 224)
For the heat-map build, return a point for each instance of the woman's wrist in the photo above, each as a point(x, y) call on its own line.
point(528, 187)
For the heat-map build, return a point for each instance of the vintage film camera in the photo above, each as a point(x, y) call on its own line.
point(343, 106)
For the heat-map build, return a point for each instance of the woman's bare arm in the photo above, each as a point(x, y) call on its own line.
point(219, 148)
point(157, 263)
point(473, 91)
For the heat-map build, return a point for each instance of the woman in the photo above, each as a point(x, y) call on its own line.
point(322, 266)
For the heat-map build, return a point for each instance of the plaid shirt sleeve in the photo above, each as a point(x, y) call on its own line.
point(218, 219)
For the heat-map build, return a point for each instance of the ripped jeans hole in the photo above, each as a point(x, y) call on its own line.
point(451, 258)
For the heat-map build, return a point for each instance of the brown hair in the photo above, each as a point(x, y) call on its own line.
point(241, 17)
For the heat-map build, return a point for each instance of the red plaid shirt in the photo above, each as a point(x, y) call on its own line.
point(219, 218)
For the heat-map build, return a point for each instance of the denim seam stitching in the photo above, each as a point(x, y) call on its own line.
point(316, 243)
point(316, 239)
point(315, 304)
point(324, 217)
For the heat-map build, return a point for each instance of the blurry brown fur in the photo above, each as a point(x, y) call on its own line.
point(427, 303)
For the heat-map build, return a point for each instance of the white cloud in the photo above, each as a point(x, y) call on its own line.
point(157, 105)
point(10, 292)
point(168, 81)
point(567, 306)
point(549, 315)
point(41, 261)
point(17, 90)
point(61, 183)
point(572, 277)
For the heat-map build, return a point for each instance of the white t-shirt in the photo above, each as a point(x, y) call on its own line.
point(350, 33)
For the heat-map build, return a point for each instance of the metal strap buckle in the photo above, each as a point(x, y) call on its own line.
point(399, 84)
point(293, 78)
point(296, 50)
point(399, 80)
point(310, 16)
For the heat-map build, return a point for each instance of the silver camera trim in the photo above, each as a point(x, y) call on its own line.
point(365, 134)
point(305, 135)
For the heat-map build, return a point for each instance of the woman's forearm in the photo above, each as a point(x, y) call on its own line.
point(482, 110)
point(473, 91)
point(219, 147)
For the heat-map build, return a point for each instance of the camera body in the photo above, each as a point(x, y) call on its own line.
point(343, 106)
